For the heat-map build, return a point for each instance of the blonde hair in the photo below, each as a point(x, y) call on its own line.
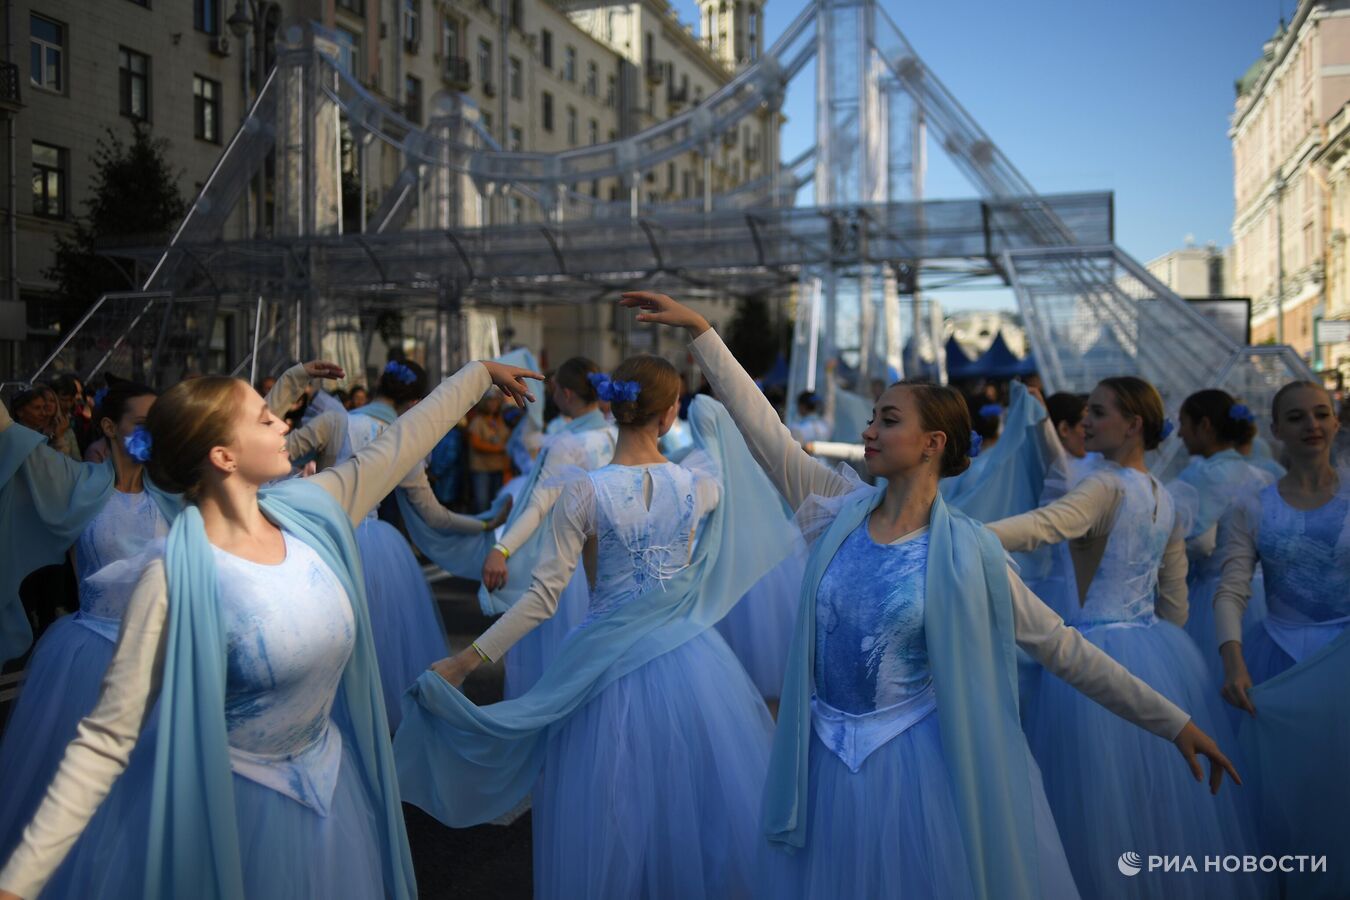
point(1136, 397)
point(184, 424)
point(659, 385)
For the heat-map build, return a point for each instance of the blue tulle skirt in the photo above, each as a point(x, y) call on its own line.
point(652, 789)
point(891, 829)
point(286, 849)
point(407, 631)
point(1116, 788)
point(526, 661)
point(759, 627)
point(1265, 659)
point(62, 685)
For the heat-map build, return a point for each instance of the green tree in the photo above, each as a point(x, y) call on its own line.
point(134, 201)
point(752, 337)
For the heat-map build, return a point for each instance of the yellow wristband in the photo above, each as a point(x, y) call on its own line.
point(479, 651)
point(502, 549)
point(487, 526)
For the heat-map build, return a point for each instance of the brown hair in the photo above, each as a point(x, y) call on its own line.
point(659, 385)
point(184, 424)
point(1291, 386)
point(1217, 406)
point(1136, 397)
point(943, 409)
point(575, 375)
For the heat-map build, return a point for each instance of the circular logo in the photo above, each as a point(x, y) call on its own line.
point(1129, 863)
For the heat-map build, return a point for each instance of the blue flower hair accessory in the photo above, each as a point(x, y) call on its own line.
point(991, 410)
point(611, 391)
point(401, 373)
point(1168, 427)
point(1240, 413)
point(976, 442)
point(99, 395)
point(139, 444)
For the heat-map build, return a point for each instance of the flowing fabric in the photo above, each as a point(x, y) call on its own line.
point(1009, 479)
point(46, 501)
point(528, 554)
point(467, 765)
point(970, 637)
point(194, 847)
point(1298, 745)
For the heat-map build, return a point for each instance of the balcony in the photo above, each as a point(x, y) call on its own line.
point(456, 72)
point(656, 71)
point(752, 153)
point(677, 96)
point(9, 87)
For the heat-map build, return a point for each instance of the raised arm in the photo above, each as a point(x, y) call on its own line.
point(103, 741)
point(1085, 509)
point(791, 469)
point(321, 436)
point(365, 479)
point(293, 382)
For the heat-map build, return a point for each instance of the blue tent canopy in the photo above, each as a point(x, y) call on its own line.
point(958, 364)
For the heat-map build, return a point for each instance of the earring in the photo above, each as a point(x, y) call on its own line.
point(925, 457)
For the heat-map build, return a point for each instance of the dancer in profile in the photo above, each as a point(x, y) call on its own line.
point(1288, 671)
point(899, 766)
point(644, 742)
point(583, 443)
point(1130, 554)
point(272, 775)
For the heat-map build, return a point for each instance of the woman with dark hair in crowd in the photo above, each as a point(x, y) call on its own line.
point(644, 743)
point(583, 443)
point(1106, 782)
point(404, 621)
point(1066, 414)
point(272, 773)
point(1288, 672)
point(1212, 425)
point(903, 677)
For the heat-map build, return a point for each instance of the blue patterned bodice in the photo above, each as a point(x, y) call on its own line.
point(1219, 481)
point(1125, 585)
point(289, 633)
point(123, 528)
point(640, 547)
point(871, 651)
point(1305, 557)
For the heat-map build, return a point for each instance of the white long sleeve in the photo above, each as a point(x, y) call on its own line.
point(1237, 543)
point(321, 436)
point(791, 469)
point(432, 511)
point(836, 450)
point(361, 482)
point(563, 453)
point(103, 742)
point(287, 390)
point(1066, 653)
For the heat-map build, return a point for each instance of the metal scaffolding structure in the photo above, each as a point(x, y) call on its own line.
point(297, 272)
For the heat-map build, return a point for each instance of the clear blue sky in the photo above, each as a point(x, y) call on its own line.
point(1131, 96)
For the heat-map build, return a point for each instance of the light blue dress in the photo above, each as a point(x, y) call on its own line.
point(307, 823)
point(882, 809)
point(67, 668)
point(1113, 787)
point(652, 788)
point(1220, 481)
point(404, 621)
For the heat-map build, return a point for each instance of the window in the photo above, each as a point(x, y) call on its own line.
point(546, 48)
point(572, 126)
point(46, 60)
point(648, 47)
point(517, 90)
point(206, 109)
point(412, 99)
point(412, 26)
point(517, 14)
point(49, 181)
point(349, 52)
point(712, 26)
point(651, 101)
point(593, 132)
point(517, 140)
point(487, 122)
point(754, 33)
point(546, 111)
point(449, 38)
point(206, 16)
point(353, 6)
point(610, 90)
point(484, 61)
point(514, 212)
point(592, 80)
point(133, 84)
point(570, 64)
point(670, 177)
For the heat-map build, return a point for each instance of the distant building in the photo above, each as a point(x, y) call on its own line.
point(975, 330)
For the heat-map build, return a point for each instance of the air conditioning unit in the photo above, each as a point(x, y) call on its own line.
point(220, 45)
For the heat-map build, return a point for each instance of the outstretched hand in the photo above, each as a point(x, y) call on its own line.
point(511, 380)
point(320, 368)
point(1192, 742)
point(663, 310)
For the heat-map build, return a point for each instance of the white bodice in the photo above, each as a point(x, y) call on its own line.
point(1126, 582)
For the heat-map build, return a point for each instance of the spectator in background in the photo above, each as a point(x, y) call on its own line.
point(29, 409)
point(357, 397)
point(69, 434)
point(488, 434)
point(1066, 413)
point(986, 419)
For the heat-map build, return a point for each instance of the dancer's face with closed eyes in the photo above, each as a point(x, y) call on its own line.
point(895, 441)
point(257, 450)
